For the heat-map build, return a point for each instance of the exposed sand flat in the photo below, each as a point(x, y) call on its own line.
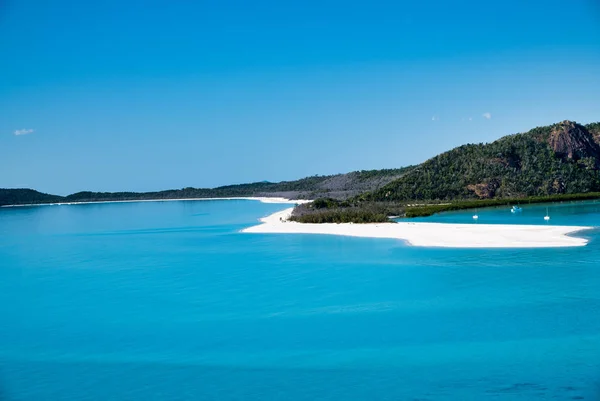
point(434, 234)
point(262, 199)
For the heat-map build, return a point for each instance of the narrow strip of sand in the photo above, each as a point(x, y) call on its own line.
point(434, 234)
point(263, 199)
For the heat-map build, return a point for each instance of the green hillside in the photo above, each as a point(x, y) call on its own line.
point(563, 158)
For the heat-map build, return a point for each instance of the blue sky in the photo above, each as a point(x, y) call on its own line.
point(149, 95)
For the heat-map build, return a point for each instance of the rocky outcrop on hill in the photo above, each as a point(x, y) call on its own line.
point(572, 141)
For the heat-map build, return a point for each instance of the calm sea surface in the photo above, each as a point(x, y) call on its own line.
point(168, 301)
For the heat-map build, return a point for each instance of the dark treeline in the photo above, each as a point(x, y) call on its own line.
point(328, 210)
point(252, 189)
point(26, 196)
point(428, 210)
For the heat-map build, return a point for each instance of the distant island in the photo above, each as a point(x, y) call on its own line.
point(339, 186)
point(552, 163)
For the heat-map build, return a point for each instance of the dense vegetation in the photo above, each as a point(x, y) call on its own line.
point(26, 196)
point(558, 159)
point(328, 210)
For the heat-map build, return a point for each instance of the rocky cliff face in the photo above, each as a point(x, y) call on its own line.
point(572, 141)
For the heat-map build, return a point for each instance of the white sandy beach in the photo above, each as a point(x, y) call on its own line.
point(262, 199)
point(434, 234)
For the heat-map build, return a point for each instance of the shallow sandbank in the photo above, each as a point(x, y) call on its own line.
point(434, 234)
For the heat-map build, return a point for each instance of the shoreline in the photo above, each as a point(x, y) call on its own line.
point(439, 235)
point(262, 199)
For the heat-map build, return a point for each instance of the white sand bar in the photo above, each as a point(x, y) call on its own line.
point(434, 234)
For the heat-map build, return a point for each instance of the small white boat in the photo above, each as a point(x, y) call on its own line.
point(546, 217)
point(516, 209)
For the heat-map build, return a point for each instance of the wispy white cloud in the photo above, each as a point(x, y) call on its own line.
point(24, 131)
point(487, 116)
point(435, 118)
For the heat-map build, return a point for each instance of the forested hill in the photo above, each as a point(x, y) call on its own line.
point(26, 196)
point(563, 158)
point(340, 186)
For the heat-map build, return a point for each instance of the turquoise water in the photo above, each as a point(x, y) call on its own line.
point(168, 301)
point(566, 213)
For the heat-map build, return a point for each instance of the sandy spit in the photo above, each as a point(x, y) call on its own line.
point(434, 234)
